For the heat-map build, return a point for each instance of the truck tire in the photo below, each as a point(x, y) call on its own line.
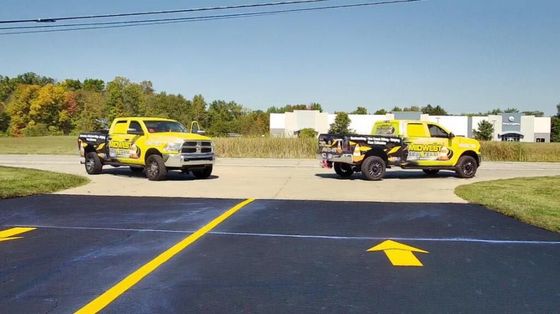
point(343, 170)
point(202, 173)
point(466, 167)
point(373, 168)
point(431, 172)
point(93, 163)
point(155, 168)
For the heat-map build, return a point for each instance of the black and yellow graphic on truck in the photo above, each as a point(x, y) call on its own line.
point(149, 145)
point(407, 144)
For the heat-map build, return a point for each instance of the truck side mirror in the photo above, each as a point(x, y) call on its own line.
point(195, 128)
point(451, 135)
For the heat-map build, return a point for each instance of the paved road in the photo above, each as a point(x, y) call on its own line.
point(272, 256)
point(280, 179)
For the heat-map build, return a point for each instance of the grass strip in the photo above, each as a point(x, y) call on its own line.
point(17, 182)
point(273, 147)
point(534, 201)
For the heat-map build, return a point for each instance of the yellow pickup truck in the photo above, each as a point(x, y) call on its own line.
point(151, 145)
point(408, 144)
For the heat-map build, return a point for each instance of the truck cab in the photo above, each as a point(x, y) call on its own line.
point(409, 144)
point(152, 145)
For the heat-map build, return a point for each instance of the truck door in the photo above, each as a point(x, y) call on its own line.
point(427, 147)
point(123, 141)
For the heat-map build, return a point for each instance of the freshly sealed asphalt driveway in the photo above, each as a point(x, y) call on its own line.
point(269, 256)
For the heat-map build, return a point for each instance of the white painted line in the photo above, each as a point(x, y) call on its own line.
point(303, 236)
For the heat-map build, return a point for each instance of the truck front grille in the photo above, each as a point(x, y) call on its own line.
point(191, 147)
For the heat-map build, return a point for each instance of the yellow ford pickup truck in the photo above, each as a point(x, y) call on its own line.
point(151, 145)
point(407, 144)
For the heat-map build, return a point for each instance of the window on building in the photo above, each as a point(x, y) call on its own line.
point(540, 140)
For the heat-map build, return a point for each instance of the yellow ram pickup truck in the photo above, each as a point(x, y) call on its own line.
point(151, 145)
point(407, 144)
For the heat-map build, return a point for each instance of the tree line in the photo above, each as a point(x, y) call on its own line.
point(35, 105)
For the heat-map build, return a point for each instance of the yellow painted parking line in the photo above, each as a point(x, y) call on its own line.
point(8, 234)
point(121, 287)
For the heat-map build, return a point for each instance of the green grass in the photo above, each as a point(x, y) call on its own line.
point(535, 201)
point(17, 182)
point(57, 145)
point(266, 147)
point(270, 147)
point(508, 151)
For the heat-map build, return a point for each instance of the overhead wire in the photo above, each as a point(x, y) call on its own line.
point(132, 23)
point(190, 10)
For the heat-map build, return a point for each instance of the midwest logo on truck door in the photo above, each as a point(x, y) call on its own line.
point(122, 144)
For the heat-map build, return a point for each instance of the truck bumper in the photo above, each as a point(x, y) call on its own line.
point(187, 160)
point(344, 158)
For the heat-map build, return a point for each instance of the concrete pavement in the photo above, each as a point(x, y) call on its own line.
point(300, 179)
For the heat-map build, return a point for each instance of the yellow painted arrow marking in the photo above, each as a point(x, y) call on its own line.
point(399, 254)
point(8, 234)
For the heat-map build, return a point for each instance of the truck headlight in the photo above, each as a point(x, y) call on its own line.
point(174, 147)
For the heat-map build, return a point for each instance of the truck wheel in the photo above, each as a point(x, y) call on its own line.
point(155, 168)
point(202, 173)
point(93, 163)
point(431, 172)
point(343, 170)
point(373, 168)
point(466, 167)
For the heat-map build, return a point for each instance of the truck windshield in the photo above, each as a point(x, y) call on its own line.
point(164, 126)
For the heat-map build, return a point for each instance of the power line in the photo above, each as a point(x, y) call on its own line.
point(132, 23)
point(230, 7)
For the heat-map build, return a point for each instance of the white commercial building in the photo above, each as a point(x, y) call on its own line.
point(507, 126)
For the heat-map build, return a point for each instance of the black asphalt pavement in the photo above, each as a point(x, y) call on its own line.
point(273, 257)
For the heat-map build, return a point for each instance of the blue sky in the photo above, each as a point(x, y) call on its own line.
point(465, 55)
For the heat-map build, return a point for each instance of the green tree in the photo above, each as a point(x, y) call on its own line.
point(381, 111)
point(496, 111)
point(124, 98)
point(168, 106)
point(360, 110)
point(484, 131)
point(4, 119)
point(511, 110)
point(315, 106)
point(434, 111)
point(555, 126)
point(71, 84)
point(307, 133)
point(412, 108)
point(7, 87)
point(396, 109)
point(255, 123)
point(94, 85)
point(198, 110)
point(31, 78)
point(535, 113)
point(224, 118)
point(91, 111)
point(291, 108)
point(555, 129)
point(341, 124)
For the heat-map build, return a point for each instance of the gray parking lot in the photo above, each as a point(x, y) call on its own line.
point(148, 255)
